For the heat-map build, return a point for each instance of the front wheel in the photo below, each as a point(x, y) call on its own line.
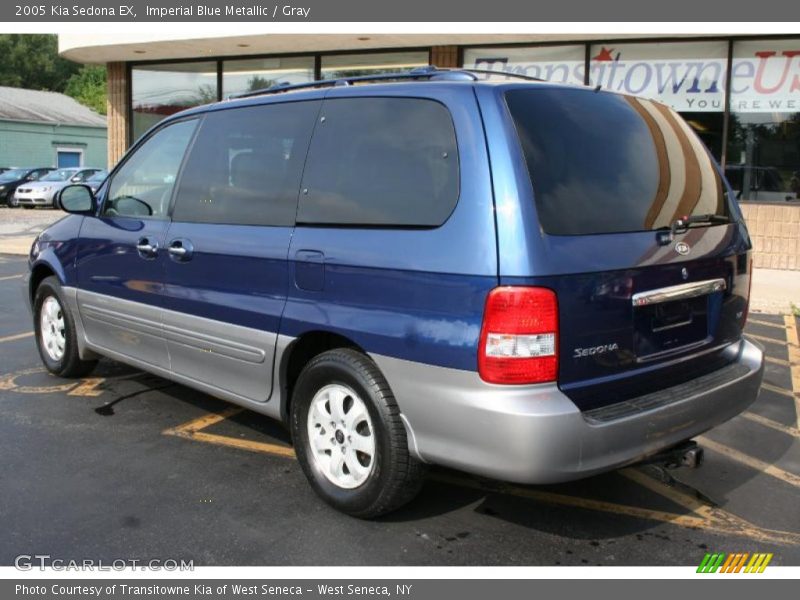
point(56, 336)
point(349, 438)
point(13, 202)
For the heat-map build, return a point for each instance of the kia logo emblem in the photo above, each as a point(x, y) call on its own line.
point(682, 248)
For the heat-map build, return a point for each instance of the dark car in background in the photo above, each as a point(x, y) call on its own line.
point(95, 181)
point(13, 178)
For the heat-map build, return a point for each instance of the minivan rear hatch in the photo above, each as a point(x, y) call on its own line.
point(636, 235)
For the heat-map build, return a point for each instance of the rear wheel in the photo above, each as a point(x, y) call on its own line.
point(349, 438)
point(56, 336)
point(12, 201)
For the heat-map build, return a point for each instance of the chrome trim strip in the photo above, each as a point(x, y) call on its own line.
point(678, 292)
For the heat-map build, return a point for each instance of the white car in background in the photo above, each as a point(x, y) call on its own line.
point(43, 191)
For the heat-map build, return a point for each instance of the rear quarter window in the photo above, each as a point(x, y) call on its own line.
point(381, 162)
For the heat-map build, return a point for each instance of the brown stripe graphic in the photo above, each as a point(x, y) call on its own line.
point(693, 187)
point(663, 162)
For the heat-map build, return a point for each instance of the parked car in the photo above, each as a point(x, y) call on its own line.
point(13, 178)
point(492, 276)
point(96, 180)
point(42, 192)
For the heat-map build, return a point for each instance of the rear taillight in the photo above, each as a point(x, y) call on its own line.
point(519, 337)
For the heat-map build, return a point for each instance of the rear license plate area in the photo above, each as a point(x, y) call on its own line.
point(669, 327)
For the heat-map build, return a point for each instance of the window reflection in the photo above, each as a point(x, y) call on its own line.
point(240, 76)
point(763, 161)
point(355, 65)
point(164, 89)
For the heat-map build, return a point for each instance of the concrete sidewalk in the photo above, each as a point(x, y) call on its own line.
point(774, 291)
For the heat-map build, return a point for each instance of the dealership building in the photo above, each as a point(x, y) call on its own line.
point(740, 94)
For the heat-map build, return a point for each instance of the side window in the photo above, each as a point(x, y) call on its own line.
point(143, 185)
point(383, 162)
point(245, 165)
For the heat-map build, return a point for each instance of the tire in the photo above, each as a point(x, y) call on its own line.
point(12, 202)
point(391, 477)
point(56, 336)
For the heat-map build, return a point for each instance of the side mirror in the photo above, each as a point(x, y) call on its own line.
point(76, 199)
point(76, 179)
point(31, 177)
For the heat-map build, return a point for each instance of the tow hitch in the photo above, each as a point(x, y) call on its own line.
point(687, 454)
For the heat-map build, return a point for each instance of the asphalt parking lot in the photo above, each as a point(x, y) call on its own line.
point(123, 464)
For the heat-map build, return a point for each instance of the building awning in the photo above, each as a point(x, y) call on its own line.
point(102, 48)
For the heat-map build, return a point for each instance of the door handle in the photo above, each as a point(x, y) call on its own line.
point(146, 248)
point(180, 250)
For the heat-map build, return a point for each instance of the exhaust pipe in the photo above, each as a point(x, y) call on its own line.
point(686, 454)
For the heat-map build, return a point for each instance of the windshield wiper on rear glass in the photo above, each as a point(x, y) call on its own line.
point(681, 224)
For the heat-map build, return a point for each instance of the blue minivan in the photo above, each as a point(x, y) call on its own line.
point(521, 280)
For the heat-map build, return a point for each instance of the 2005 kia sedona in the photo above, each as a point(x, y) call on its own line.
point(526, 281)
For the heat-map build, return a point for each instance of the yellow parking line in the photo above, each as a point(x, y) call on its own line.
point(793, 338)
point(17, 336)
point(7, 277)
point(765, 338)
point(224, 440)
point(725, 523)
point(777, 361)
point(793, 431)
point(777, 390)
point(707, 518)
point(766, 323)
point(192, 430)
point(207, 420)
point(721, 520)
point(758, 465)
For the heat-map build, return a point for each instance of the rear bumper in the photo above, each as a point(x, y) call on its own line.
point(535, 434)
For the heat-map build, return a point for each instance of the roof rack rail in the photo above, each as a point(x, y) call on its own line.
point(426, 73)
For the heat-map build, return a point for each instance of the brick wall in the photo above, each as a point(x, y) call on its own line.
point(775, 230)
point(117, 112)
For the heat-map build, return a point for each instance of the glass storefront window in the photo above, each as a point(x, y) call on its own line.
point(160, 90)
point(247, 75)
point(354, 65)
point(688, 76)
point(763, 159)
point(560, 64)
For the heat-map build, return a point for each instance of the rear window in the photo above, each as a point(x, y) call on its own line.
point(607, 163)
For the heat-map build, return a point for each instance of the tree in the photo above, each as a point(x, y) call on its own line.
point(32, 61)
point(257, 82)
point(88, 86)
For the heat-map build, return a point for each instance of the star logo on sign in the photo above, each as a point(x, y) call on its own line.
point(604, 55)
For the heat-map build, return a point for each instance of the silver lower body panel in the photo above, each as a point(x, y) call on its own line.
point(536, 434)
